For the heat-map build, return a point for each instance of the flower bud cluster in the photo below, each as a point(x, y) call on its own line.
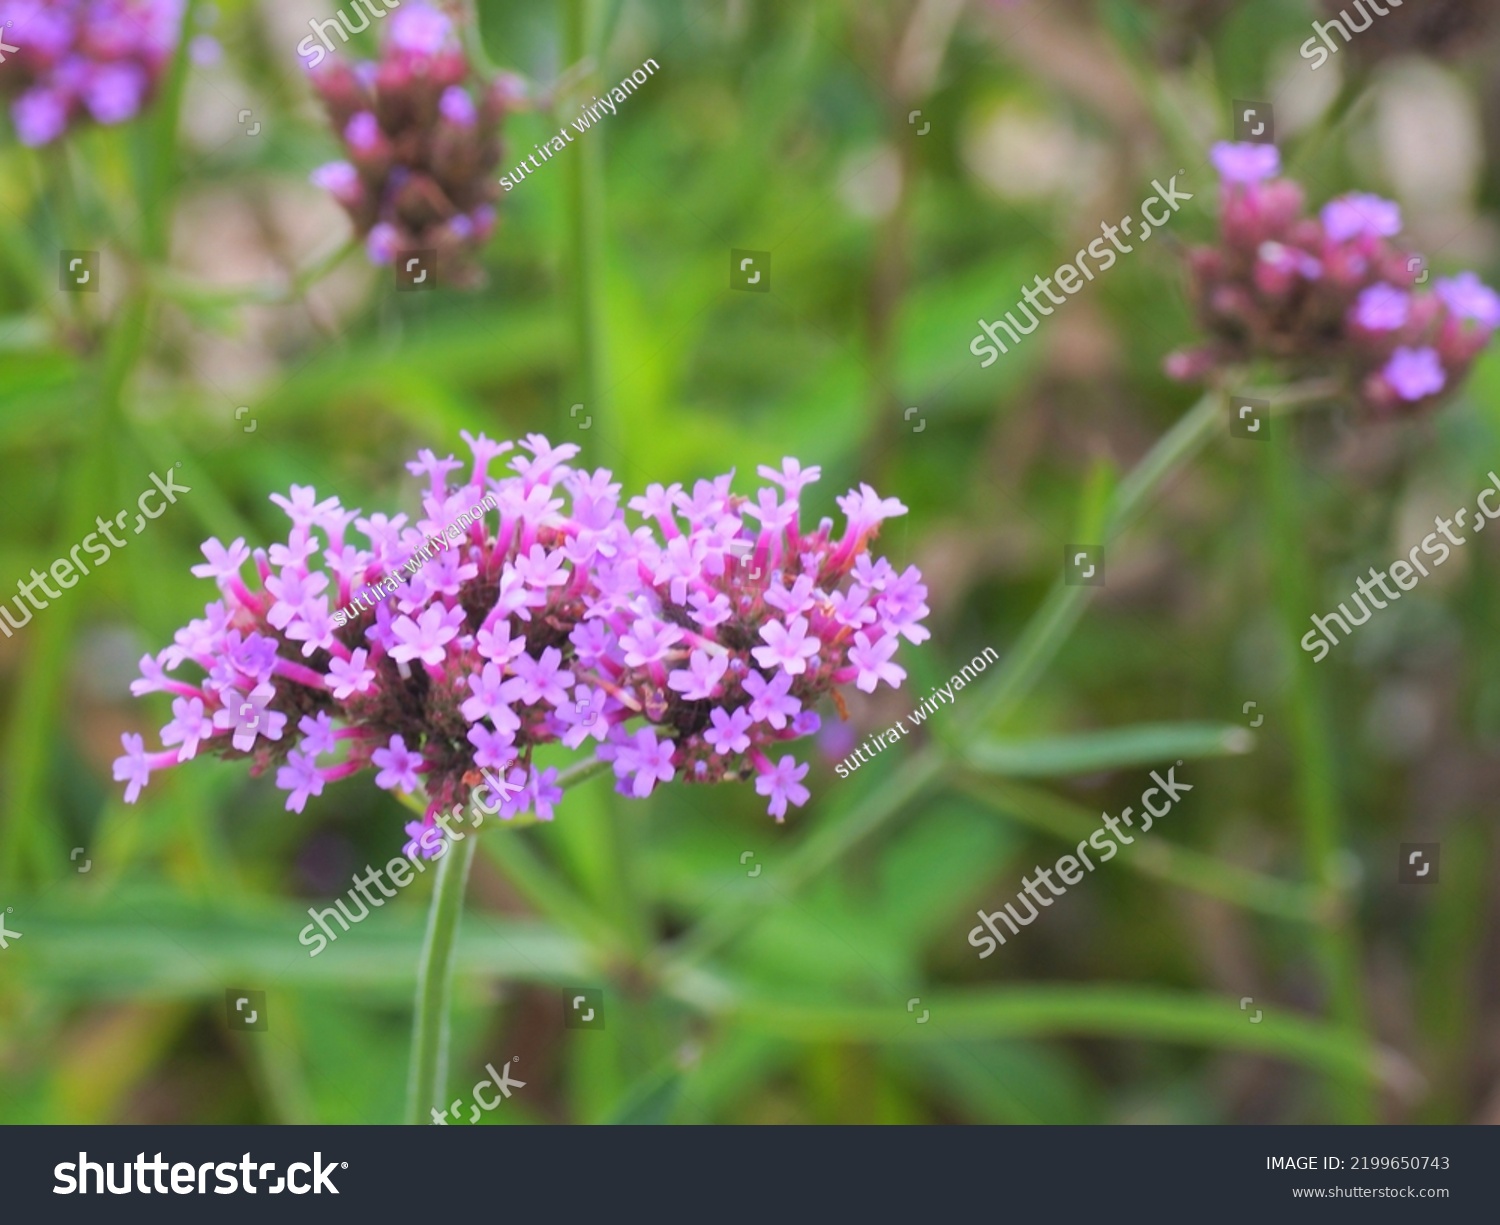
point(1309, 292)
point(83, 59)
point(419, 134)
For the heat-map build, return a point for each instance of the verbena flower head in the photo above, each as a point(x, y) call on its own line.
point(419, 134)
point(521, 610)
point(1328, 291)
point(83, 59)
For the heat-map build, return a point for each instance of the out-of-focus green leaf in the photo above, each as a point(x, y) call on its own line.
point(1086, 752)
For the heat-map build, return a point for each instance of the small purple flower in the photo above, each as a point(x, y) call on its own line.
point(493, 750)
point(382, 243)
point(796, 600)
point(188, 727)
point(1361, 215)
point(247, 715)
point(1470, 298)
point(873, 662)
point(398, 766)
point(788, 646)
point(1414, 374)
point(1246, 162)
point(783, 782)
point(222, 563)
point(340, 180)
point(495, 643)
point(645, 761)
point(1382, 308)
point(420, 30)
point(793, 477)
point(542, 680)
point(709, 611)
point(699, 681)
point(772, 701)
point(351, 677)
point(318, 735)
point(301, 777)
point(425, 637)
point(648, 641)
point(457, 107)
point(727, 735)
point(363, 135)
point(40, 116)
point(545, 793)
point(116, 91)
point(134, 767)
point(422, 839)
point(493, 694)
point(541, 569)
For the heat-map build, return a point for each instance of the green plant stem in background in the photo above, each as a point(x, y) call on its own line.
point(428, 1081)
point(585, 207)
point(1051, 624)
point(30, 833)
point(1317, 786)
point(1177, 865)
point(1112, 1011)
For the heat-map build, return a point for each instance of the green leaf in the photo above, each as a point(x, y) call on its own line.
point(1109, 1012)
point(151, 946)
point(650, 1100)
point(1085, 752)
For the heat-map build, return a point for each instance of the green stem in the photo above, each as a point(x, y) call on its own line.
point(29, 830)
point(1177, 865)
point(1106, 1011)
point(585, 203)
point(429, 1038)
point(1050, 626)
point(1317, 786)
point(428, 1079)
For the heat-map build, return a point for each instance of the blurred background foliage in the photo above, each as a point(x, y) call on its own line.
point(784, 127)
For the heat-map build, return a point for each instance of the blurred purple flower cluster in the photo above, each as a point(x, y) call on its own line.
point(688, 648)
point(1310, 291)
point(97, 58)
point(419, 134)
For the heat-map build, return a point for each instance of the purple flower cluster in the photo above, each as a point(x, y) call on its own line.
point(691, 647)
point(99, 58)
point(1310, 291)
point(418, 131)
